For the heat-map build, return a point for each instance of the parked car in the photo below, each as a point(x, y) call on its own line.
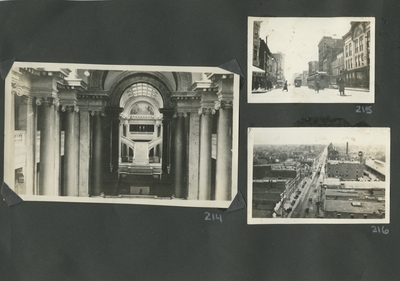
point(293, 202)
point(310, 199)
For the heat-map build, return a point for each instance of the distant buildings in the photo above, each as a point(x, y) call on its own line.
point(334, 154)
point(279, 74)
point(313, 66)
point(328, 47)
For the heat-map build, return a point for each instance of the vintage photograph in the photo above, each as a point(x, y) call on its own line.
point(311, 60)
point(318, 175)
point(154, 135)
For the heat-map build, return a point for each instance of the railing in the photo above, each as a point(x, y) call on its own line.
point(128, 142)
point(155, 142)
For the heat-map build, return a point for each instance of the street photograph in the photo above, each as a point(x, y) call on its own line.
point(311, 60)
point(318, 175)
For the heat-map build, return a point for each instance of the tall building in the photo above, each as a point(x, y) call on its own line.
point(256, 43)
point(357, 55)
point(99, 132)
point(258, 72)
point(280, 66)
point(327, 48)
point(337, 66)
point(313, 66)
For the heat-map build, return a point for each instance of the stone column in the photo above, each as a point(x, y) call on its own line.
point(77, 149)
point(205, 154)
point(47, 148)
point(30, 168)
point(193, 154)
point(112, 146)
point(84, 151)
point(70, 155)
point(179, 155)
point(57, 150)
point(97, 155)
point(166, 141)
point(224, 152)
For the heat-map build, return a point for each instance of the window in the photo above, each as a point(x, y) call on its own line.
point(141, 128)
point(347, 51)
point(350, 52)
point(361, 43)
point(356, 46)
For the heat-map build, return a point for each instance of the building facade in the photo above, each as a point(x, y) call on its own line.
point(327, 48)
point(313, 66)
point(279, 59)
point(346, 170)
point(337, 67)
point(91, 133)
point(357, 55)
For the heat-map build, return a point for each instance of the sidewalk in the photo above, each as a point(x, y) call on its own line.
point(356, 89)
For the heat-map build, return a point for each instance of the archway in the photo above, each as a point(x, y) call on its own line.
point(140, 134)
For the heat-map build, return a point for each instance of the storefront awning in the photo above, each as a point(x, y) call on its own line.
point(257, 71)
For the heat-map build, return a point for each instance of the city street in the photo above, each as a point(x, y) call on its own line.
point(305, 95)
point(310, 190)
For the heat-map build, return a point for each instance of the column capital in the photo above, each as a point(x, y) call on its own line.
point(48, 101)
point(97, 113)
point(206, 110)
point(223, 104)
point(70, 108)
point(19, 90)
point(179, 114)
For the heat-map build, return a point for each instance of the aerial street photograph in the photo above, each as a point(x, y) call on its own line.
point(311, 60)
point(318, 175)
point(155, 135)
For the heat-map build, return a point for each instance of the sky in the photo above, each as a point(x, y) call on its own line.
point(298, 38)
point(282, 136)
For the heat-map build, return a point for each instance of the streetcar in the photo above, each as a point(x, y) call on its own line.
point(297, 82)
point(318, 77)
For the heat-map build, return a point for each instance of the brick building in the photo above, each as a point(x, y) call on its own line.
point(357, 55)
point(327, 49)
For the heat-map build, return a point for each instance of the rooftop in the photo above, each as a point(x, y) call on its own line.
point(345, 206)
point(335, 162)
point(376, 165)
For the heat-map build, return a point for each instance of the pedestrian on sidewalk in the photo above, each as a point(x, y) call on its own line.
point(341, 86)
point(285, 87)
point(317, 86)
